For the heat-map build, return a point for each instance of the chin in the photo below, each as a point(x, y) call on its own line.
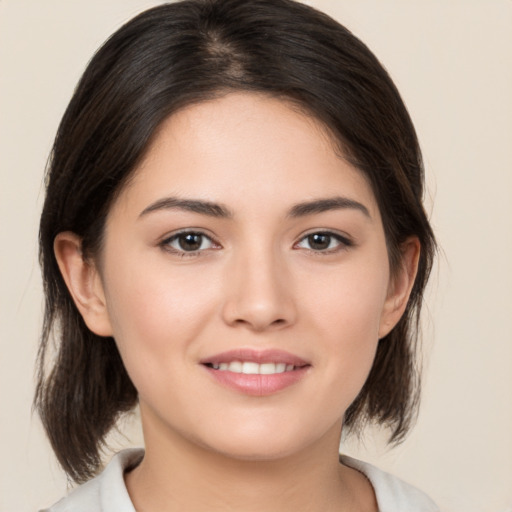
point(261, 444)
point(246, 453)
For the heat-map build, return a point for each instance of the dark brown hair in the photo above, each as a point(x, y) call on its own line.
point(176, 55)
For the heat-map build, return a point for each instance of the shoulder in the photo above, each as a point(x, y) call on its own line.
point(105, 493)
point(393, 494)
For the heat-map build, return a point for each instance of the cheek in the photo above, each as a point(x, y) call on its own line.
point(349, 301)
point(345, 314)
point(156, 316)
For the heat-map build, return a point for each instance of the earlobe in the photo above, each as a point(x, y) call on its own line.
point(400, 286)
point(83, 282)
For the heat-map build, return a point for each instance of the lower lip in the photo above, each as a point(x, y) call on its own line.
point(256, 384)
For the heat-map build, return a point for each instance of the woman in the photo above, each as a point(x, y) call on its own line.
point(233, 238)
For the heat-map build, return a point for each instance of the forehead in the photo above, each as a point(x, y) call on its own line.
point(245, 148)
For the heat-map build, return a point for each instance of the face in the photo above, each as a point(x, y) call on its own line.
point(246, 279)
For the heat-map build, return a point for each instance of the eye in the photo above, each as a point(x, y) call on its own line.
point(324, 241)
point(188, 242)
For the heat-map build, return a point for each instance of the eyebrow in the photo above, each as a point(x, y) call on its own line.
point(212, 209)
point(190, 205)
point(327, 204)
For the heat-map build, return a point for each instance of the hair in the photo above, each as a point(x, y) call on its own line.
point(176, 55)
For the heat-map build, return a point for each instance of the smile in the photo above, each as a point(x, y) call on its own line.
point(252, 368)
point(256, 372)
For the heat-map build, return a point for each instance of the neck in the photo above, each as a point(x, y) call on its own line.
point(177, 474)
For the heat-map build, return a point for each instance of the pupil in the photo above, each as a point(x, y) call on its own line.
point(190, 242)
point(319, 241)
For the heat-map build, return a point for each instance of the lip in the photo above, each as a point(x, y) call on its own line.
point(257, 384)
point(255, 356)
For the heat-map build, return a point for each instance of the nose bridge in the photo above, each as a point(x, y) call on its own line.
point(259, 291)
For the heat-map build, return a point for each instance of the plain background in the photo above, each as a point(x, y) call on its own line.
point(452, 62)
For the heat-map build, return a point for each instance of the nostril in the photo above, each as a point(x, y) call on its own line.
point(260, 324)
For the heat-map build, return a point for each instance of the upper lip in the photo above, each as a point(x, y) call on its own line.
point(255, 356)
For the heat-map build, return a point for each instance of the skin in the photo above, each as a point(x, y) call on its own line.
point(256, 282)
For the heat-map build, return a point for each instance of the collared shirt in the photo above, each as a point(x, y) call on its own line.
point(107, 492)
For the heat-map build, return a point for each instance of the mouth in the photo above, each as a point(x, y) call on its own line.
point(255, 372)
point(252, 368)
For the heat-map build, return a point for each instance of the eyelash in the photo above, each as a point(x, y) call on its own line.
point(343, 242)
point(166, 243)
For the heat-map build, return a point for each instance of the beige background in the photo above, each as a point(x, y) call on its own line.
point(452, 61)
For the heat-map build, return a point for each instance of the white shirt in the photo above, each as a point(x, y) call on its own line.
point(107, 492)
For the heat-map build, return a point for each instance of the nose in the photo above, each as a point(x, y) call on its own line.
point(259, 293)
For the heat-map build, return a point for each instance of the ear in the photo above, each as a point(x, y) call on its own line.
point(83, 282)
point(400, 286)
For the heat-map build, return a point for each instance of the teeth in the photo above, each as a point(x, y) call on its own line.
point(267, 368)
point(235, 366)
point(251, 368)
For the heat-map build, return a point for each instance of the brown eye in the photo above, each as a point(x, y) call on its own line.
point(188, 242)
point(324, 242)
point(319, 241)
